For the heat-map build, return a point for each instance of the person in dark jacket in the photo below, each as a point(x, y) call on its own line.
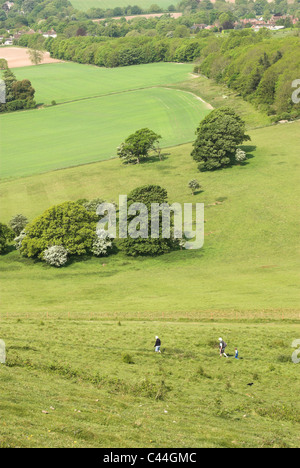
point(157, 345)
point(222, 346)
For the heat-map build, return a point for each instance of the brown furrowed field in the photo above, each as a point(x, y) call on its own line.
point(18, 57)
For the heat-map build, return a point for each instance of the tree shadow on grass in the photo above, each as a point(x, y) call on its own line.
point(85, 258)
point(249, 150)
point(197, 192)
point(155, 158)
point(8, 249)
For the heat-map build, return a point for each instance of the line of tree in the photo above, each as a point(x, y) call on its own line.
point(124, 51)
point(69, 230)
point(60, 14)
point(260, 67)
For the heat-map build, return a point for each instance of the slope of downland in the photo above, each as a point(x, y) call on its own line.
point(248, 264)
point(66, 385)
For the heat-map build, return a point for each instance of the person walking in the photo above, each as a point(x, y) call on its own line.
point(223, 345)
point(157, 345)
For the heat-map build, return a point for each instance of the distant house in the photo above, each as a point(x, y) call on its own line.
point(9, 41)
point(198, 26)
point(266, 26)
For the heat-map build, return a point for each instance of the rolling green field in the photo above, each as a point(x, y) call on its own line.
point(69, 81)
point(69, 384)
point(80, 369)
point(90, 130)
point(100, 108)
point(248, 263)
point(107, 4)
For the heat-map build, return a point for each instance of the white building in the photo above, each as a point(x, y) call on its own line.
point(51, 33)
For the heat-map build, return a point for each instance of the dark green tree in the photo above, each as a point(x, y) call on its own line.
point(9, 79)
point(147, 195)
point(137, 146)
point(6, 235)
point(23, 90)
point(218, 137)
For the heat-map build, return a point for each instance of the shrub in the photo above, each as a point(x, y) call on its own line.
point(69, 225)
point(6, 235)
point(15, 105)
point(19, 239)
point(194, 185)
point(127, 358)
point(18, 223)
point(102, 245)
point(56, 256)
point(240, 155)
point(92, 205)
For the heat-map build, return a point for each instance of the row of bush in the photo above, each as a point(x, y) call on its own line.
point(122, 52)
point(69, 230)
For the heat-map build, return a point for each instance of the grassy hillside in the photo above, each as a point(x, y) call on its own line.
point(186, 397)
point(219, 95)
point(248, 263)
point(90, 130)
point(80, 369)
point(65, 82)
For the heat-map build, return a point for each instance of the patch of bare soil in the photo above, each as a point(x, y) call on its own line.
point(18, 57)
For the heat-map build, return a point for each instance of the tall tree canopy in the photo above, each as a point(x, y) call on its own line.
point(218, 137)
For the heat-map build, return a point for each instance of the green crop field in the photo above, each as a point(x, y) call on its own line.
point(65, 82)
point(101, 107)
point(90, 130)
point(107, 4)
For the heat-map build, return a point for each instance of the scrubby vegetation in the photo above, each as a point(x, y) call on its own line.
point(18, 94)
point(258, 67)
